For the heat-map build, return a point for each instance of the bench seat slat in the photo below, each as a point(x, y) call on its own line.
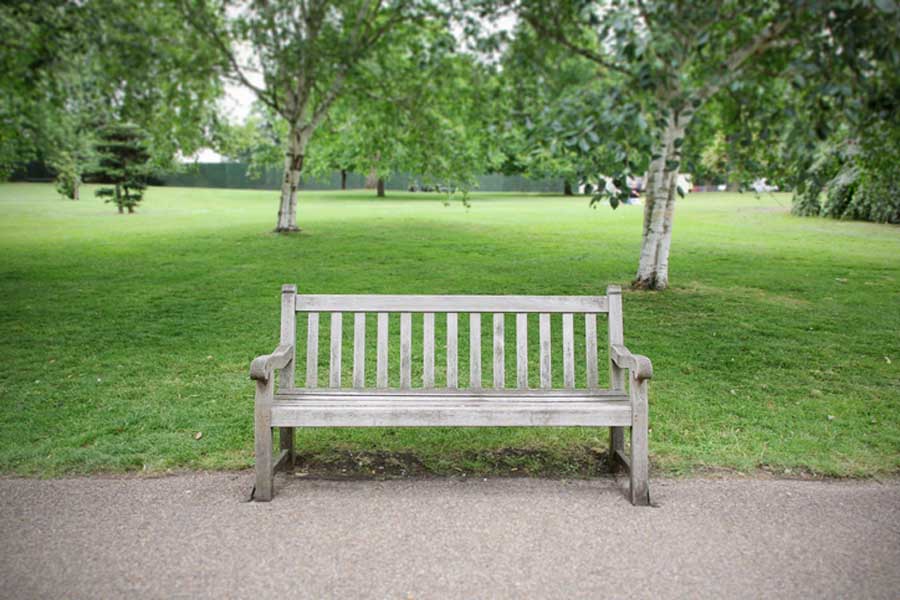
point(458, 304)
point(342, 412)
point(555, 394)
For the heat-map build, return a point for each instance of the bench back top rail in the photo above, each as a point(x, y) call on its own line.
point(586, 307)
point(442, 304)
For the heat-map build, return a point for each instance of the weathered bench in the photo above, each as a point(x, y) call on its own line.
point(477, 405)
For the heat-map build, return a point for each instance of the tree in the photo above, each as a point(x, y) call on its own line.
point(67, 68)
point(826, 129)
point(124, 162)
point(336, 145)
point(539, 80)
point(306, 52)
point(667, 61)
point(427, 111)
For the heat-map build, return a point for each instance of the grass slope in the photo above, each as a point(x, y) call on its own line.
point(122, 337)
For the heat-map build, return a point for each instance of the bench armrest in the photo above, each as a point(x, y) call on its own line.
point(262, 366)
point(639, 365)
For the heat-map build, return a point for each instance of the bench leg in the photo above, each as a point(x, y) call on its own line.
point(263, 441)
point(640, 463)
point(616, 444)
point(286, 442)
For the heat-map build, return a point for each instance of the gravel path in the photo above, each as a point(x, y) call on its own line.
point(193, 536)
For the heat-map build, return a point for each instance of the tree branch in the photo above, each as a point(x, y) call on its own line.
point(736, 61)
point(224, 47)
point(559, 37)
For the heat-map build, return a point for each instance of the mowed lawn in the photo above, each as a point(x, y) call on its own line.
point(124, 337)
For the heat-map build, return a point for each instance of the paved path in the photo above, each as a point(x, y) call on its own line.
point(193, 536)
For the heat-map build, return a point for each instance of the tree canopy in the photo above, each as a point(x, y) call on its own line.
point(611, 93)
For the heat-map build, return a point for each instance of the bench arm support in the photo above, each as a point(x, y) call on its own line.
point(639, 365)
point(262, 367)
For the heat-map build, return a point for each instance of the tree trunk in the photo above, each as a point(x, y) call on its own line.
point(381, 187)
point(293, 166)
point(76, 189)
point(659, 207)
point(343, 179)
point(118, 194)
point(567, 188)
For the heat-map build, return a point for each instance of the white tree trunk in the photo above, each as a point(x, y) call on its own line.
point(293, 166)
point(659, 208)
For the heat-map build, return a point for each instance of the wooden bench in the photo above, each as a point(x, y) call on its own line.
point(421, 404)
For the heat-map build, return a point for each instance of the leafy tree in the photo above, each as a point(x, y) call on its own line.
point(67, 68)
point(424, 112)
point(665, 62)
point(336, 147)
point(427, 113)
point(124, 162)
point(259, 141)
point(306, 51)
point(540, 81)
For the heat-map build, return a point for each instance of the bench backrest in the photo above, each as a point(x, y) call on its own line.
point(569, 307)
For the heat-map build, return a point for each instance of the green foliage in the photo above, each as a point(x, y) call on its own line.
point(68, 177)
point(726, 68)
point(767, 332)
point(124, 162)
point(66, 68)
point(259, 141)
point(854, 179)
point(425, 112)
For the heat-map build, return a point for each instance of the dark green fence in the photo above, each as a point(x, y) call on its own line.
point(234, 175)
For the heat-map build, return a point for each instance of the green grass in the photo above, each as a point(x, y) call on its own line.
point(776, 347)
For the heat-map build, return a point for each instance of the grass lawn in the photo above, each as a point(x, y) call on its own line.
point(122, 337)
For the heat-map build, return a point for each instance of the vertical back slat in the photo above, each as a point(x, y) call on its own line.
point(405, 350)
point(568, 351)
point(428, 350)
point(475, 350)
point(590, 351)
point(452, 380)
point(381, 368)
point(616, 334)
point(617, 375)
point(288, 336)
point(545, 350)
point(499, 367)
point(288, 333)
point(359, 350)
point(334, 378)
point(522, 351)
point(312, 350)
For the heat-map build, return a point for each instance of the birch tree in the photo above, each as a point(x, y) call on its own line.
point(667, 60)
point(297, 57)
